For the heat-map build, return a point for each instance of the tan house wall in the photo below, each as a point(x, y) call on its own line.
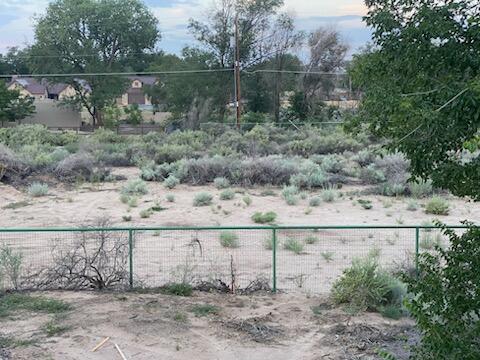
point(68, 92)
point(24, 92)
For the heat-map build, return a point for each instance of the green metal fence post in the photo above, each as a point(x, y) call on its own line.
point(274, 259)
point(417, 247)
point(130, 256)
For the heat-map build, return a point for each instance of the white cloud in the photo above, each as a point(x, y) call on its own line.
point(174, 17)
point(308, 8)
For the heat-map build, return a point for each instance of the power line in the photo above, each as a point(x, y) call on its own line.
point(294, 72)
point(75, 56)
point(173, 72)
point(119, 73)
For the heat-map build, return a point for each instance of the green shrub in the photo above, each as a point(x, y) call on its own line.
point(170, 198)
point(421, 189)
point(290, 195)
point(127, 218)
point(171, 182)
point(202, 199)
point(229, 239)
point(293, 245)
point(247, 200)
point(227, 194)
point(268, 243)
point(366, 204)
point(178, 289)
point(291, 200)
point(315, 201)
point(365, 286)
point(264, 218)
point(412, 205)
point(310, 240)
point(371, 175)
point(38, 189)
point(327, 255)
point(328, 195)
point(11, 266)
point(445, 299)
point(146, 213)
point(437, 206)
point(429, 241)
point(221, 183)
point(135, 187)
point(132, 201)
point(268, 192)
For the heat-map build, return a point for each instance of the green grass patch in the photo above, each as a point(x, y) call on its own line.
point(16, 205)
point(229, 239)
point(227, 194)
point(437, 206)
point(264, 218)
point(53, 328)
point(293, 245)
point(202, 310)
point(310, 240)
point(202, 199)
point(16, 302)
point(178, 289)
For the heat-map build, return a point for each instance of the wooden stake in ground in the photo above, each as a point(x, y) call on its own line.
point(100, 344)
point(120, 352)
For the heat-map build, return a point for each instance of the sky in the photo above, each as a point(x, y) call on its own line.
point(17, 19)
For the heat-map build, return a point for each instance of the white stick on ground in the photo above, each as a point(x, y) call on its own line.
point(100, 344)
point(120, 352)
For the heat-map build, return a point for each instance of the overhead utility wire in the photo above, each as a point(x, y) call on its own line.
point(119, 73)
point(172, 72)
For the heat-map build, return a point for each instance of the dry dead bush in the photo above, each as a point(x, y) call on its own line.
point(96, 259)
point(12, 168)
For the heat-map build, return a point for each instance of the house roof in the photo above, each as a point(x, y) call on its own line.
point(56, 89)
point(32, 85)
point(147, 80)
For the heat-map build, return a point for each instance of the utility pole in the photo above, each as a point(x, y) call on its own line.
point(238, 96)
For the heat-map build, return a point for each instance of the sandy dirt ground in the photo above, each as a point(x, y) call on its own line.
point(170, 256)
point(85, 203)
point(150, 326)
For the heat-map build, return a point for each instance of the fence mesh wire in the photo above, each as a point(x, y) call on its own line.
point(306, 259)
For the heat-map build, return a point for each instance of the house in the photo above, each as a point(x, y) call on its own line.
point(42, 89)
point(29, 87)
point(60, 91)
point(135, 94)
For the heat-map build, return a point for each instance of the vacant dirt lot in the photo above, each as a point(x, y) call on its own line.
point(85, 203)
point(152, 326)
point(161, 257)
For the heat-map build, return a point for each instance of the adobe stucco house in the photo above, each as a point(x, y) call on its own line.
point(136, 92)
point(42, 89)
point(29, 87)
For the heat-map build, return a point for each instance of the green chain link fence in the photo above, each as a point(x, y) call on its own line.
point(285, 258)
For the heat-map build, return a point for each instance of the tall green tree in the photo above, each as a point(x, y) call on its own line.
point(14, 106)
point(216, 36)
point(93, 36)
point(421, 85)
point(191, 96)
point(15, 61)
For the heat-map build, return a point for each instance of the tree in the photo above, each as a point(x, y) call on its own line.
point(421, 85)
point(327, 55)
point(14, 106)
point(15, 61)
point(191, 96)
point(216, 34)
point(93, 36)
point(284, 39)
